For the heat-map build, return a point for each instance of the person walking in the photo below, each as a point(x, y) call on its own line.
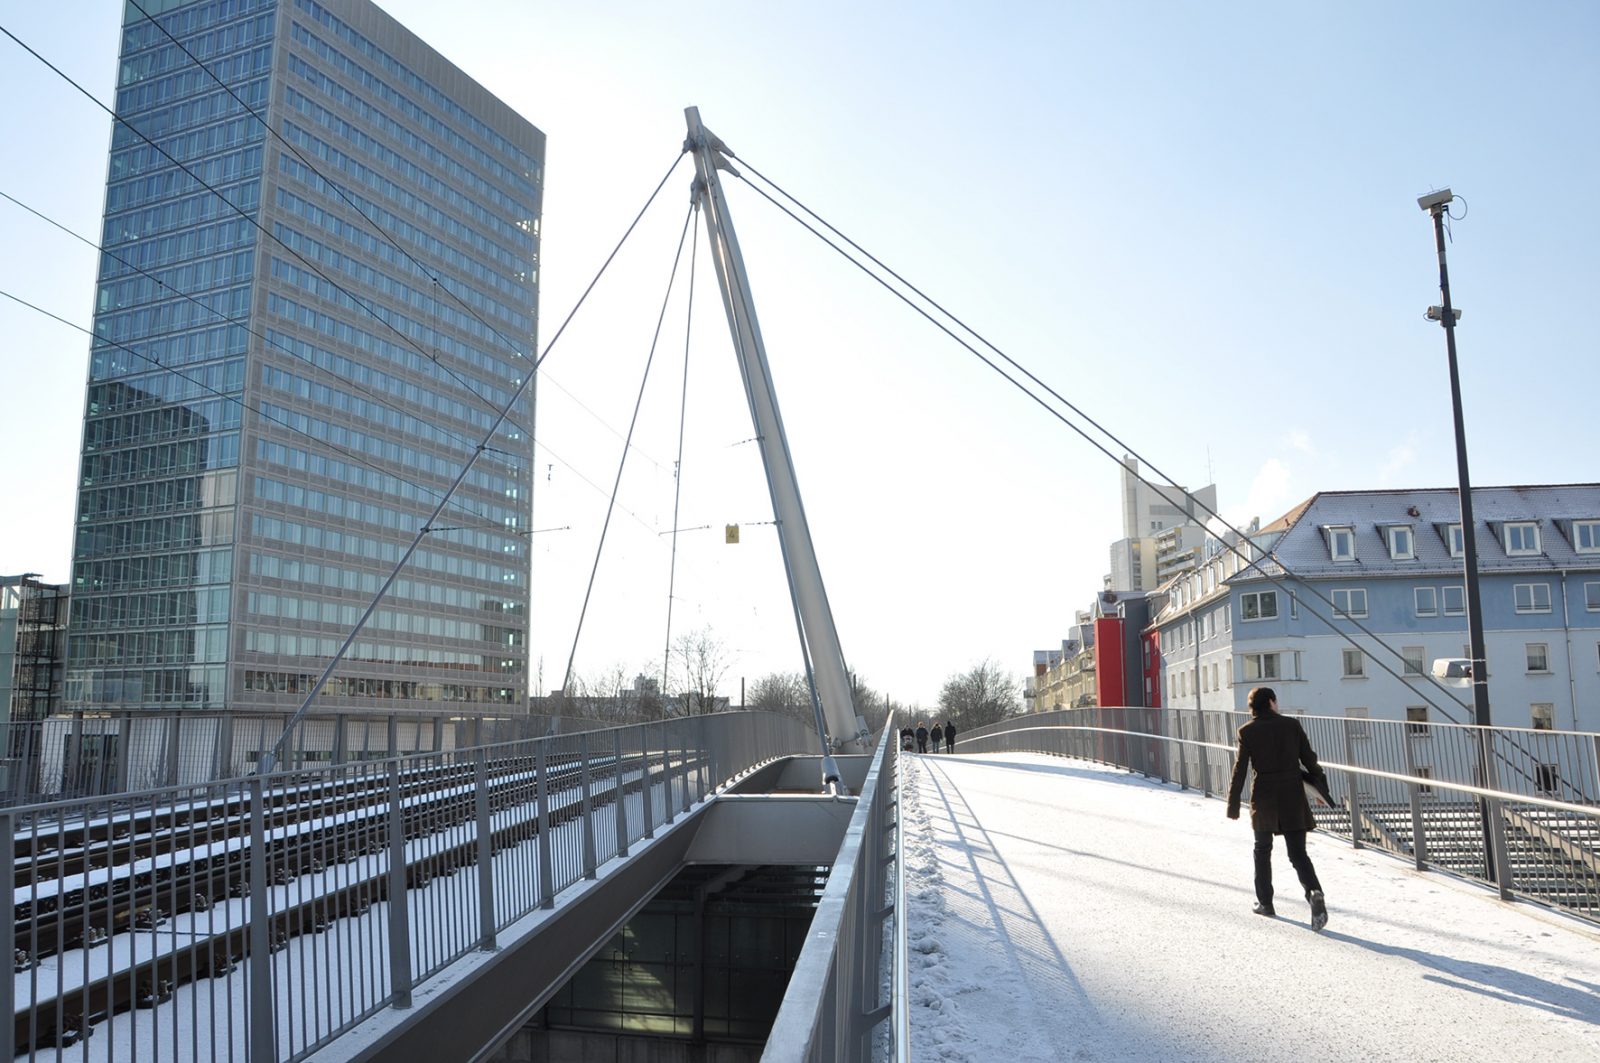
point(1276, 746)
point(949, 737)
point(922, 736)
point(936, 736)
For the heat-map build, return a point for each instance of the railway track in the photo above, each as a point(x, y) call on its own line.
point(104, 893)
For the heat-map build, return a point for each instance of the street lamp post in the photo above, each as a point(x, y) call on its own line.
point(1435, 203)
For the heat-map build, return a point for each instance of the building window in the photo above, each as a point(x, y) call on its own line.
point(1417, 722)
point(1538, 657)
point(1262, 666)
point(1355, 664)
point(1424, 773)
point(1591, 597)
point(1427, 599)
point(1402, 545)
point(1544, 717)
point(1455, 600)
point(1532, 597)
point(1216, 677)
point(1342, 543)
point(1415, 659)
point(1547, 777)
point(1586, 536)
point(1522, 537)
point(1350, 601)
point(1357, 723)
point(1258, 605)
point(1456, 540)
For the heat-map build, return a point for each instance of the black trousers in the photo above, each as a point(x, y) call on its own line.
point(1295, 842)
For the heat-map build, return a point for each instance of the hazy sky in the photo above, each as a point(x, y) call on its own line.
point(1196, 221)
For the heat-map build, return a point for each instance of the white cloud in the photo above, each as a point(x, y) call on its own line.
point(1300, 440)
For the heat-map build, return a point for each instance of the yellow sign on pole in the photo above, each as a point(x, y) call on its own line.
point(731, 533)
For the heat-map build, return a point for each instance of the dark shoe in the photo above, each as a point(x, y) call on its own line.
point(1319, 910)
point(1264, 909)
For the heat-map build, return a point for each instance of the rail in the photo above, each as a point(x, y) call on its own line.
point(259, 918)
point(1531, 829)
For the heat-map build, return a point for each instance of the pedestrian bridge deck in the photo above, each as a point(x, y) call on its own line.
point(1060, 910)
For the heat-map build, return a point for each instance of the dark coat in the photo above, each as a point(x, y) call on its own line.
point(922, 735)
point(1275, 746)
point(950, 733)
point(937, 734)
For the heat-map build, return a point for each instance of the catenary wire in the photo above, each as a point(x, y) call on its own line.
point(363, 304)
point(488, 522)
point(270, 758)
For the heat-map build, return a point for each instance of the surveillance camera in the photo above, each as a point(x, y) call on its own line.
point(1435, 200)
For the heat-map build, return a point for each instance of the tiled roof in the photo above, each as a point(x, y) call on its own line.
point(1302, 546)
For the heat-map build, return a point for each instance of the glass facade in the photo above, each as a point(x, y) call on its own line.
point(300, 337)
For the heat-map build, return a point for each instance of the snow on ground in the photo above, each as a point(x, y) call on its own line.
point(1059, 910)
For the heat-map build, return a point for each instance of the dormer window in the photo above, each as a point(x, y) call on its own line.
point(1522, 538)
point(1402, 544)
point(1342, 543)
point(1586, 536)
point(1455, 539)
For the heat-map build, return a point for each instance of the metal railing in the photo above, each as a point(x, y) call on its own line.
point(259, 918)
point(832, 1006)
point(87, 755)
point(1531, 827)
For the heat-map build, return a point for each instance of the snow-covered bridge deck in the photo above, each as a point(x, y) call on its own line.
point(1059, 910)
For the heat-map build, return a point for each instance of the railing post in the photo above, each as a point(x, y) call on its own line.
point(480, 800)
point(1205, 767)
point(394, 735)
point(708, 738)
point(1355, 792)
point(399, 912)
point(72, 759)
point(621, 803)
point(590, 864)
point(547, 872)
point(124, 754)
point(1419, 837)
point(645, 787)
point(174, 750)
point(341, 741)
point(666, 776)
point(263, 1022)
point(8, 927)
point(1503, 877)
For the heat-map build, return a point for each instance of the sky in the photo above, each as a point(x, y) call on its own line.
point(1040, 892)
point(1196, 222)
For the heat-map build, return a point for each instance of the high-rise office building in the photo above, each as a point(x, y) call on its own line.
point(336, 302)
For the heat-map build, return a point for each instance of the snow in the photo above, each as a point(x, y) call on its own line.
point(1059, 910)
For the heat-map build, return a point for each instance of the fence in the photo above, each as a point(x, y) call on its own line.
point(85, 755)
point(1515, 807)
point(826, 1015)
point(259, 918)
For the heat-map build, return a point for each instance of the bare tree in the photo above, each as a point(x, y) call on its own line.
point(784, 693)
point(700, 661)
point(981, 695)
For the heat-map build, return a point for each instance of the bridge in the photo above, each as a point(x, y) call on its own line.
point(1066, 891)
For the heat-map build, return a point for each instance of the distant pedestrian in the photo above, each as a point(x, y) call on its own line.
point(949, 737)
point(908, 739)
point(1276, 746)
point(922, 736)
point(936, 736)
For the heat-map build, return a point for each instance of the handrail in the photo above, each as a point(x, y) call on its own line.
point(1555, 862)
point(825, 1014)
point(900, 992)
